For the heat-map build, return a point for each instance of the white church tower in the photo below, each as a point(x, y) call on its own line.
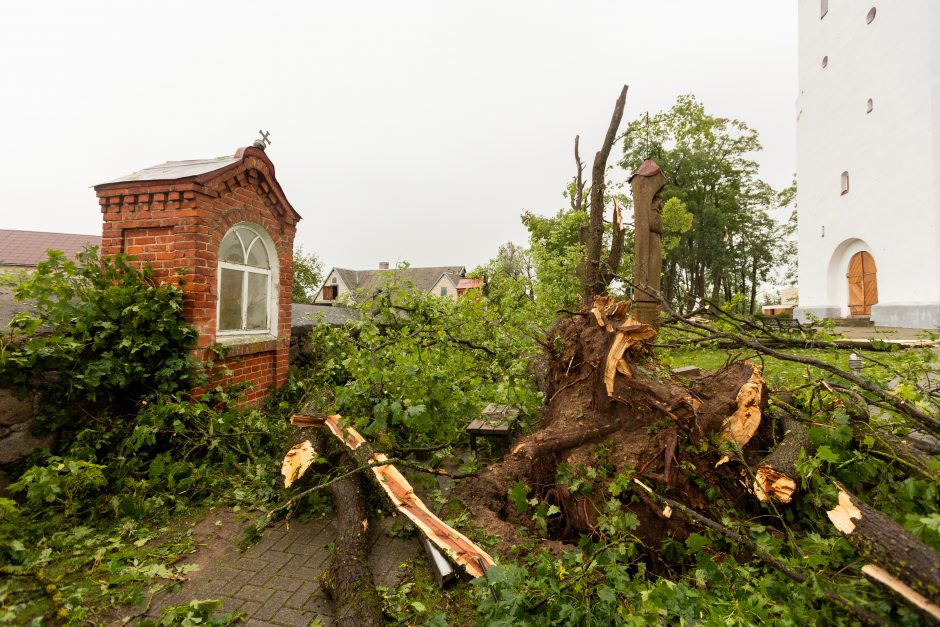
point(868, 160)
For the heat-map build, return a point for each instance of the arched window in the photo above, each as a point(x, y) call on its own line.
point(871, 15)
point(845, 183)
point(870, 106)
point(247, 280)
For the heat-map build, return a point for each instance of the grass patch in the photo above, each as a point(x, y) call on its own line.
point(81, 573)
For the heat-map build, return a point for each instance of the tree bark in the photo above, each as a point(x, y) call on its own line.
point(349, 579)
point(616, 245)
point(535, 446)
point(776, 475)
point(888, 545)
point(592, 279)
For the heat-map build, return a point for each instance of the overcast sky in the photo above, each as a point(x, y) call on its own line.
point(415, 131)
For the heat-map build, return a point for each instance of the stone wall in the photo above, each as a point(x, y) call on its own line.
point(17, 423)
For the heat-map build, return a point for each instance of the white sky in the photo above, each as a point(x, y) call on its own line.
point(402, 130)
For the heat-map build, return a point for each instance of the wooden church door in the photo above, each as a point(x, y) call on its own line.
point(863, 284)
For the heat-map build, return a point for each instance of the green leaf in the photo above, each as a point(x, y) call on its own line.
point(518, 496)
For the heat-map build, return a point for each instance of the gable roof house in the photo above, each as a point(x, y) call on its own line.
point(437, 280)
point(22, 250)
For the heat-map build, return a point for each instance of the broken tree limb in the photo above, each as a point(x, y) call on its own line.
point(297, 461)
point(902, 451)
point(865, 615)
point(629, 334)
point(886, 543)
point(541, 445)
point(741, 426)
point(916, 601)
point(451, 542)
point(593, 279)
point(776, 476)
point(930, 423)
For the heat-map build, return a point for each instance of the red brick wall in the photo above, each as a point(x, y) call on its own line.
point(180, 224)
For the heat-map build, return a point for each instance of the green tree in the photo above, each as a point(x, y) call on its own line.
point(556, 254)
point(709, 167)
point(308, 274)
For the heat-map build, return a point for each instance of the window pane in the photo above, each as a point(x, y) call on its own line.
point(257, 301)
point(257, 255)
point(231, 249)
point(230, 300)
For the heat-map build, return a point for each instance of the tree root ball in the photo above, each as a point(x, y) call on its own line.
point(639, 423)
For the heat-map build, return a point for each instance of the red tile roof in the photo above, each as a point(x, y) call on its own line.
point(469, 284)
point(27, 248)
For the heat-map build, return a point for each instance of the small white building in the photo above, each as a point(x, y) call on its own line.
point(868, 160)
point(339, 282)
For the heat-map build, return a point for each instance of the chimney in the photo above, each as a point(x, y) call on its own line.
point(383, 265)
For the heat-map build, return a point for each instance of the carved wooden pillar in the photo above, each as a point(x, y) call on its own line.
point(647, 186)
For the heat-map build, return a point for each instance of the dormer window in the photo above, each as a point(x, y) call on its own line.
point(246, 297)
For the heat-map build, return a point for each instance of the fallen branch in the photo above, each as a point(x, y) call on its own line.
point(863, 614)
point(886, 543)
point(776, 475)
point(928, 422)
point(451, 542)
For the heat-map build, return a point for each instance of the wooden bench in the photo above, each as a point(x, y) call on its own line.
point(786, 325)
point(495, 421)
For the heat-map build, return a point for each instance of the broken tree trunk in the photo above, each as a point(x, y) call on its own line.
point(593, 277)
point(892, 549)
point(348, 581)
point(776, 476)
point(456, 546)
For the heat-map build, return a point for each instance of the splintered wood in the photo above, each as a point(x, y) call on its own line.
point(628, 334)
point(900, 562)
point(741, 426)
point(297, 461)
point(451, 542)
point(776, 474)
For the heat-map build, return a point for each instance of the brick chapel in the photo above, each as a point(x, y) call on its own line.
point(228, 225)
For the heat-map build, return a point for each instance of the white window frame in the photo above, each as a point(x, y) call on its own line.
point(272, 272)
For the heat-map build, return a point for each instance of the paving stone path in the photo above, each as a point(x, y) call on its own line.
point(276, 581)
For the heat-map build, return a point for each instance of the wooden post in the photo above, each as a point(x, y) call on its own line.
point(647, 186)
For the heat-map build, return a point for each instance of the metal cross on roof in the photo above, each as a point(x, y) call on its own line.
point(264, 137)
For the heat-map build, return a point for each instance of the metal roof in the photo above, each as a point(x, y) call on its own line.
point(303, 315)
point(28, 248)
point(422, 279)
point(173, 170)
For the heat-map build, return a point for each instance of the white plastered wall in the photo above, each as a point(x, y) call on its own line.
point(891, 154)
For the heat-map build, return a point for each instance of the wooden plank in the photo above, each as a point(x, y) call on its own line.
point(451, 542)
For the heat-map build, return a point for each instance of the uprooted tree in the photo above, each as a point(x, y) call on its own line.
point(620, 432)
point(617, 422)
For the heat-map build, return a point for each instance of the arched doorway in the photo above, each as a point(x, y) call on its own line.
point(863, 283)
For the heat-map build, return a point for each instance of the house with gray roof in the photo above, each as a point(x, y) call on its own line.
point(437, 280)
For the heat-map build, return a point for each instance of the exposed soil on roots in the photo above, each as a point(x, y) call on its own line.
point(612, 409)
